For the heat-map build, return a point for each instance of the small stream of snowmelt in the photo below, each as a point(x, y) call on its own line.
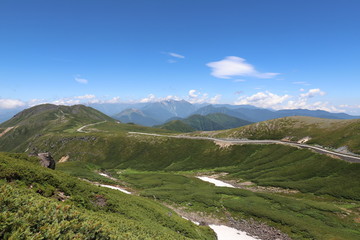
point(116, 188)
point(217, 183)
point(110, 186)
point(104, 175)
point(222, 232)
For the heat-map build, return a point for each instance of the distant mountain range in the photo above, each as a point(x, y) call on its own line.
point(157, 113)
point(161, 112)
point(210, 122)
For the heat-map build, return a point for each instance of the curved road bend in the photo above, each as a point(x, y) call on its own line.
point(81, 129)
point(345, 157)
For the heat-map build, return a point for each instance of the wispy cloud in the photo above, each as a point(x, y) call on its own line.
point(235, 66)
point(87, 96)
point(171, 61)
point(302, 83)
point(176, 55)
point(81, 80)
point(239, 80)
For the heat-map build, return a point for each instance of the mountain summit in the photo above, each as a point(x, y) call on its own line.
point(45, 118)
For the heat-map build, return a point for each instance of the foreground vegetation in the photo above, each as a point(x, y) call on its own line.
point(302, 216)
point(40, 203)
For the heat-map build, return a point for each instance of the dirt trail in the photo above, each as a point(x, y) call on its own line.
point(6, 130)
point(81, 129)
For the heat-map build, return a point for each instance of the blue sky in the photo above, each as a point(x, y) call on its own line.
point(274, 54)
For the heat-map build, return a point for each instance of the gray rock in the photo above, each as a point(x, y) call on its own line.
point(46, 160)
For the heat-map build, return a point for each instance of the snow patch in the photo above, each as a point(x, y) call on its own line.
point(227, 233)
point(217, 183)
point(116, 188)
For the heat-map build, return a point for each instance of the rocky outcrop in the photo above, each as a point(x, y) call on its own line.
point(46, 160)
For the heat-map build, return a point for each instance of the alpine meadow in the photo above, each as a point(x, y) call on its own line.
point(228, 120)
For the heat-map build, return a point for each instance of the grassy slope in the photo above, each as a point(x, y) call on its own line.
point(177, 125)
point(110, 147)
point(301, 216)
point(210, 122)
point(38, 120)
point(275, 165)
point(326, 132)
point(29, 208)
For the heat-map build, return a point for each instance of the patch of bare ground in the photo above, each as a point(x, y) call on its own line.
point(223, 145)
point(64, 159)
point(247, 185)
point(250, 226)
point(6, 130)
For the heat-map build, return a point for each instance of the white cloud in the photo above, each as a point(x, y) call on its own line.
point(176, 55)
point(172, 61)
point(235, 66)
point(270, 100)
point(66, 101)
point(312, 93)
point(195, 96)
point(81, 80)
point(87, 96)
point(239, 80)
point(215, 99)
point(113, 100)
point(150, 98)
point(10, 103)
point(263, 100)
point(192, 93)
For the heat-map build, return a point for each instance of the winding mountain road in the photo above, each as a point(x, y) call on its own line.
point(345, 157)
point(81, 129)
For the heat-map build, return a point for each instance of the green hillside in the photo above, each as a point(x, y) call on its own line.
point(325, 204)
point(49, 204)
point(177, 126)
point(47, 118)
point(210, 122)
point(326, 132)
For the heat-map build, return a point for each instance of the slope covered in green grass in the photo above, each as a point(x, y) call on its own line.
point(46, 118)
point(45, 204)
point(302, 216)
point(210, 122)
point(109, 145)
point(275, 165)
point(326, 132)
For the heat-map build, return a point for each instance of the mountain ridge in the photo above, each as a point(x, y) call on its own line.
point(210, 122)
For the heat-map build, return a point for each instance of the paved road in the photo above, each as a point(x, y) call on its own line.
point(345, 157)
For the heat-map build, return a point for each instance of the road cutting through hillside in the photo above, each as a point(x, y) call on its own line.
point(81, 129)
point(345, 157)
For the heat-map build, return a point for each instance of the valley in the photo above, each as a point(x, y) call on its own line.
point(277, 189)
